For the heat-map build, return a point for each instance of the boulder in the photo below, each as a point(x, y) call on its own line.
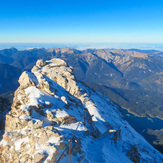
point(40, 63)
point(68, 119)
point(43, 138)
point(27, 79)
point(56, 62)
point(38, 158)
point(13, 123)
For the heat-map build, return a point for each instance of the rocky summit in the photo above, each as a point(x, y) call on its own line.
point(52, 113)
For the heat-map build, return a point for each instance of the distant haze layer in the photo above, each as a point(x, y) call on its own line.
point(82, 46)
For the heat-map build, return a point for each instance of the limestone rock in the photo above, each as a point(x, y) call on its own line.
point(67, 119)
point(43, 139)
point(27, 79)
point(35, 69)
point(57, 62)
point(40, 63)
point(13, 123)
point(62, 146)
point(38, 124)
point(38, 158)
point(49, 128)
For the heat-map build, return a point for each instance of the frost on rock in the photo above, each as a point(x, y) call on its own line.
point(50, 108)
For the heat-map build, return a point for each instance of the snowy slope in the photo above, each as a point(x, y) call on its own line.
point(50, 106)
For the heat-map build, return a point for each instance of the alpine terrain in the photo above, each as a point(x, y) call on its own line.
point(52, 112)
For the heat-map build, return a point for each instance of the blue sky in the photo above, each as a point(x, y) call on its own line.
point(116, 21)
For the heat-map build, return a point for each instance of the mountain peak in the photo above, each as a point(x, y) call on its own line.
point(51, 108)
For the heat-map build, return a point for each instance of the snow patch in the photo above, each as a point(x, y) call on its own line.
point(61, 113)
point(24, 116)
point(3, 143)
point(19, 142)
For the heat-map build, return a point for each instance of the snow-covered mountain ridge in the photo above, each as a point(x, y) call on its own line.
point(49, 109)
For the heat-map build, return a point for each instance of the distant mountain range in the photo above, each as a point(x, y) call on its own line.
point(131, 78)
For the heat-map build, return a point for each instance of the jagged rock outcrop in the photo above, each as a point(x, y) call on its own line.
point(50, 108)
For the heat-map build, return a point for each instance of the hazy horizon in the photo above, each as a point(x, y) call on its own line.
point(82, 46)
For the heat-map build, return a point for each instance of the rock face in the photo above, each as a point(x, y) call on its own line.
point(5, 106)
point(50, 108)
point(9, 78)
